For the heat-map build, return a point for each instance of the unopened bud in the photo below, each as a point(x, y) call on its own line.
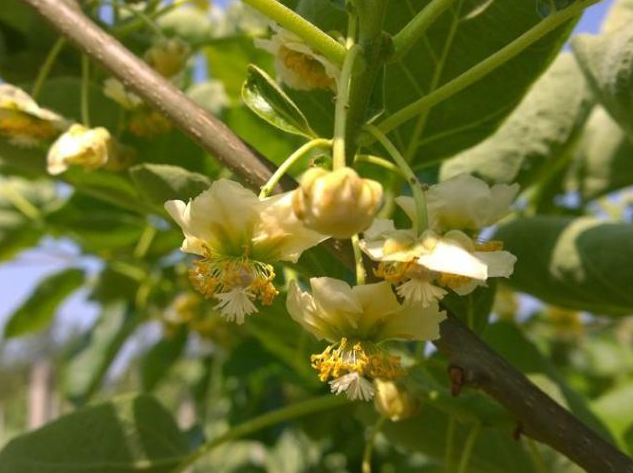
point(337, 203)
point(86, 147)
point(168, 57)
point(394, 400)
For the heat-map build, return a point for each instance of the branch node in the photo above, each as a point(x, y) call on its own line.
point(518, 431)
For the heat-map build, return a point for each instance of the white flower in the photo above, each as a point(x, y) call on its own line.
point(297, 65)
point(338, 203)
point(23, 121)
point(354, 320)
point(90, 148)
point(418, 265)
point(354, 385)
point(114, 89)
point(464, 202)
point(369, 312)
point(168, 56)
point(237, 237)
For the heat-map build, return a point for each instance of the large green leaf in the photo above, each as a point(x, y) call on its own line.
point(156, 363)
point(41, 305)
point(128, 434)
point(537, 135)
point(159, 183)
point(581, 263)
point(604, 158)
point(87, 365)
point(606, 61)
point(511, 343)
point(616, 410)
point(270, 103)
point(460, 38)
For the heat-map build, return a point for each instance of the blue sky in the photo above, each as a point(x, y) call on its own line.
point(17, 278)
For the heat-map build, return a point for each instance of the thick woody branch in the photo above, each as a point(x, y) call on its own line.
point(209, 132)
point(538, 415)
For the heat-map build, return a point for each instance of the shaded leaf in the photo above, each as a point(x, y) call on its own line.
point(40, 307)
point(473, 309)
point(128, 434)
point(264, 97)
point(460, 38)
point(536, 135)
point(159, 183)
point(156, 363)
point(86, 367)
point(582, 263)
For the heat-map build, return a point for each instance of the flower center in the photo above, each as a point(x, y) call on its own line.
point(363, 358)
point(213, 276)
point(306, 67)
point(23, 124)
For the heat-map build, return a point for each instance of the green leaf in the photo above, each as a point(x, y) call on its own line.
point(537, 135)
point(606, 61)
point(616, 410)
point(159, 183)
point(582, 263)
point(264, 97)
point(603, 161)
point(156, 363)
point(128, 434)
point(86, 367)
point(460, 38)
point(40, 307)
point(473, 309)
point(511, 343)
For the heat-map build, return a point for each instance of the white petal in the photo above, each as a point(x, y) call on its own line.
point(413, 322)
point(354, 385)
point(336, 303)
point(451, 258)
point(281, 235)
point(377, 301)
point(235, 304)
point(301, 307)
point(418, 290)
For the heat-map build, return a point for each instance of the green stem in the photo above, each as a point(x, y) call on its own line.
point(144, 19)
point(450, 439)
point(358, 258)
point(420, 223)
point(342, 103)
point(20, 202)
point(371, 442)
point(536, 456)
point(485, 67)
point(415, 29)
point(141, 16)
point(145, 241)
point(378, 161)
point(265, 420)
point(313, 36)
point(287, 164)
point(374, 46)
point(85, 90)
point(468, 448)
point(47, 66)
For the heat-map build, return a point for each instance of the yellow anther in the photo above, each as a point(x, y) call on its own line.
point(306, 67)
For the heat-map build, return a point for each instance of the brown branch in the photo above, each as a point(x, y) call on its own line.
point(206, 130)
point(537, 414)
point(472, 361)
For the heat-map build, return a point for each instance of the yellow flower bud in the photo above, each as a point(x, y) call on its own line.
point(394, 401)
point(337, 203)
point(168, 57)
point(87, 147)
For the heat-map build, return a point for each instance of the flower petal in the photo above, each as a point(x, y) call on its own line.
point(413, 322)
point(451, 258)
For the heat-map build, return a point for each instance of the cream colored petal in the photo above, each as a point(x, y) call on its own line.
point(377, 301)
point(281, 235)
point(501, 197)
point(500, 263)
point(413, 322)
point(379, 228)
point(407, 204)
point(179, 211)
point(469, 287)
point(301, 307)
point(336, 302)
point(451, 258)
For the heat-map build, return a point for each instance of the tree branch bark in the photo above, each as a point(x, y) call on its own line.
point(539, 416)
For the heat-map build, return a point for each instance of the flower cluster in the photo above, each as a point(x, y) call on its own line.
point(448, 255)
